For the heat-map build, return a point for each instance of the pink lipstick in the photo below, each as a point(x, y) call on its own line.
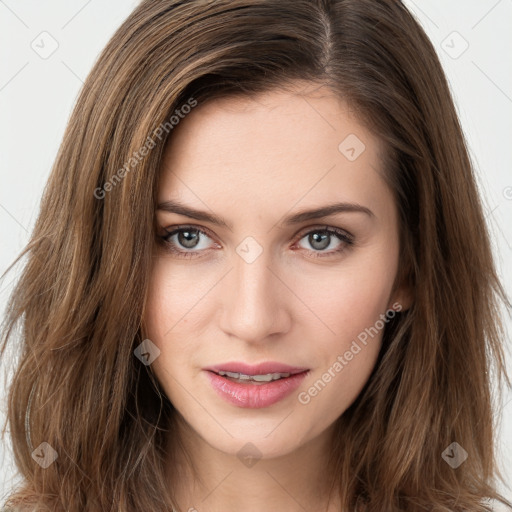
point(255, 386)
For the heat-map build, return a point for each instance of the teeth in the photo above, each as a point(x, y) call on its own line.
point(268, 377)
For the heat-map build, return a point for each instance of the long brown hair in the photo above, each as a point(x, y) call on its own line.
point(81, 296)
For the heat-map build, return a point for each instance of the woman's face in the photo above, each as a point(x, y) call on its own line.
point(252, 279)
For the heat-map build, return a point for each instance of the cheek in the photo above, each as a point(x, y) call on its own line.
point(351, 296)
point(176, 321)
point(165, 316)
point(174, 298)
point(345, 359)
point(164, 307)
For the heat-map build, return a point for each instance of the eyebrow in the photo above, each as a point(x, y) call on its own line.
point(174, 206)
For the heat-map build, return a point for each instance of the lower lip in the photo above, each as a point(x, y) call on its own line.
point(255, 396)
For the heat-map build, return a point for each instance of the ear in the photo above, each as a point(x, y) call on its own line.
point(403, 297)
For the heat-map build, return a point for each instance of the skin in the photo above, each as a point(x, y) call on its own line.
point(254, 161)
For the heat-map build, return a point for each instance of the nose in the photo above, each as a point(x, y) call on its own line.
point(256, 301)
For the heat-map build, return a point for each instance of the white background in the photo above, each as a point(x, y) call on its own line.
point(37, 95)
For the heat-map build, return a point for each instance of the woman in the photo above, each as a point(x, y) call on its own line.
point(260, 275)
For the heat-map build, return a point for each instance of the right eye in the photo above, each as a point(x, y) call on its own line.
point(185, 241)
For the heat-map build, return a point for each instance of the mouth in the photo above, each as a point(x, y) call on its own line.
point(255, 386)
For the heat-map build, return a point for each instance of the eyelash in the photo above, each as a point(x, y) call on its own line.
point(344, 237)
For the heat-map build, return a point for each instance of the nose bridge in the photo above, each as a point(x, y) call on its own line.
point(252, 306)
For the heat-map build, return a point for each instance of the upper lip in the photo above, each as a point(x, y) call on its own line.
point(255, 369)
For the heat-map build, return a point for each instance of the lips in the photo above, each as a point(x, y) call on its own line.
point(254, 386)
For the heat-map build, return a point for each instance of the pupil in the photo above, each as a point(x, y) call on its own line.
point(188, 238)
point(316, 238)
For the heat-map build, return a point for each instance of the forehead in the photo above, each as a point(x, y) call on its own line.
point(281, 145)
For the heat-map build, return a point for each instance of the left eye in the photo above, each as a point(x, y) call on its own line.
point(187, 241)
point(320, 239)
